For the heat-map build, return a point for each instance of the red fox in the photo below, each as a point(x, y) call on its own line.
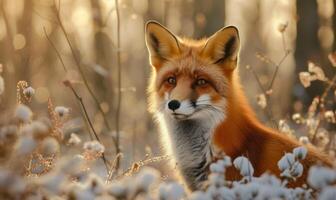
point(197, 98)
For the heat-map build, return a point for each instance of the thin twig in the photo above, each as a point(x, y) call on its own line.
point(277, 69)
point(80, 100)
point(78, 64)
point(113, 167)
point(54, 47)
point(117, 117)
point(107, 17)
point(268, 110)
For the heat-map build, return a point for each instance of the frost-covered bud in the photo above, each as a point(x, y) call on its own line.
point(318, 73)
point(319, 177)
point(286, 161)
point(300, 152)
point(74, 139)
point(23, 113)
point(304, 140)
point(146, 177)
point(118, 190)
point(93, 149)
point(50, 146)
point(171, 191)
point(29, 92)
point(62, 111)
point(297, 118)
point(262, 101)
point(305, 79)
point(330, 116)
point(244, 166)
point(25, 145)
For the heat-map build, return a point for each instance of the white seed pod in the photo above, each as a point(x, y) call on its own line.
point(286, 161)
point(305, 79)
point(50, 146)
point(23, 113)
point(94, 146)
point(244, 166)
point(74, 139)
point(62, 111)
point(29, 92)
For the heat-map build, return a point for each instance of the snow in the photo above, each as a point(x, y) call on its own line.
point(171, 191)
point(145, 178)
point(118, 189)
point(328, 193)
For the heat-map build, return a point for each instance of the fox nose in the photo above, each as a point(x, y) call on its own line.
point(174, 104)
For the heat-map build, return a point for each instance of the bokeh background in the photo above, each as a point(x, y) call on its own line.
point(272, 31)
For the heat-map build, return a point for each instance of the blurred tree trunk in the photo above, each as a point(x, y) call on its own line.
point(209, 17)
point(23, 58)
point(307, 48)
point(104, 55)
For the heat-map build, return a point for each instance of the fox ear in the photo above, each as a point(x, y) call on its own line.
point(223, 47)
point(161, 43)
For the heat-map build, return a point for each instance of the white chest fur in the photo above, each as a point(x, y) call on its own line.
point(190, 144)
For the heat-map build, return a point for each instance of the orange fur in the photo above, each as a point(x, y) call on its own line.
point(240, 133)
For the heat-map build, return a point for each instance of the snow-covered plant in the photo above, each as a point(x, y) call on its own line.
point(290, 165)
point(244, 166)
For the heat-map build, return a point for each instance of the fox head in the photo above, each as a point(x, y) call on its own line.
point(191, 79)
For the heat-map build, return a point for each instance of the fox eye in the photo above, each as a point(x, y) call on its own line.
point(171, 80)
point(201, 82)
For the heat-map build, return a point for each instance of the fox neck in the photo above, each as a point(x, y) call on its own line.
point(231, 135)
